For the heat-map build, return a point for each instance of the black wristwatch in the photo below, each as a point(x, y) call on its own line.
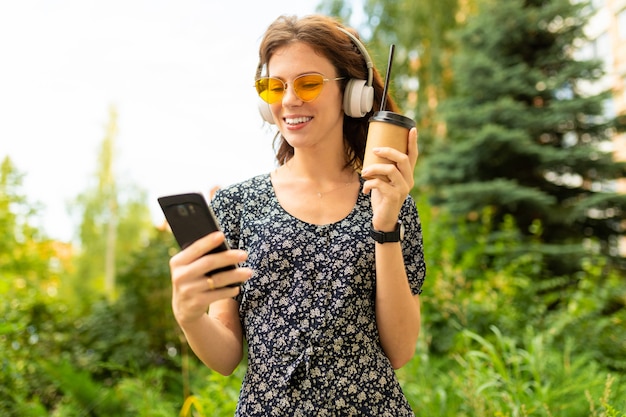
point(383, 237)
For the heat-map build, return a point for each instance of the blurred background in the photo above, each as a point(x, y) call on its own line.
point(178, 76)
point(521, 189)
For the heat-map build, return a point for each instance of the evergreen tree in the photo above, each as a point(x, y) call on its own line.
point(523, 138)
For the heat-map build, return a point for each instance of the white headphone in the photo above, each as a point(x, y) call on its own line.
point(358, 97)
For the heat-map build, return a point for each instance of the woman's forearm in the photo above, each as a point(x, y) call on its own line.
point(397, 309)
point(216, 338)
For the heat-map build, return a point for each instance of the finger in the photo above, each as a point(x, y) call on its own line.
point(393, 155)
point(198, 248)
point(390, 190)
point(412, 149)
point(221, 294)
point(379, 170)
point(405, 163)
point(219, 261)
point(388, 173)
point(210, 282)
point(397, 160)
point(230, 278)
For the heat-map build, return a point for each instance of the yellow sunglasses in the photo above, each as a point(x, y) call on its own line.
point(307, 87)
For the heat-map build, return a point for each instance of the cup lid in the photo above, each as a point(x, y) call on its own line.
point(394, 118)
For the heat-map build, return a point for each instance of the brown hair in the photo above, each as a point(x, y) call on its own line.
point(323, 35)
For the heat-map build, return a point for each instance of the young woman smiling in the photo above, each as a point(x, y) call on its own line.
point(332, 263)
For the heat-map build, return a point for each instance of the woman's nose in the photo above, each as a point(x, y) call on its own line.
point(290, 97)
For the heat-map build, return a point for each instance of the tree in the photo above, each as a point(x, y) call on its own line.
point(523, 137)
point(115, 221)
point(340, 8)
point(25, 251)
point(422, 75)
point(31, 269)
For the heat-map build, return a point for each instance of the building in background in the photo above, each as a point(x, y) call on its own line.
point(607, 34)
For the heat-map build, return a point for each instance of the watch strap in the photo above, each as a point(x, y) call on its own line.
point(387, 237)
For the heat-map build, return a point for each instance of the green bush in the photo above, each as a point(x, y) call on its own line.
point(212, 394)
point(504, 378)
point(497, 339)
point(59, 361)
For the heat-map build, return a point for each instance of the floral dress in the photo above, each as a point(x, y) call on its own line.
point(308, 312)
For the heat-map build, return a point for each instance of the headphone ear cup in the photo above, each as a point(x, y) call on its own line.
point(266, 113)
point(358, 98)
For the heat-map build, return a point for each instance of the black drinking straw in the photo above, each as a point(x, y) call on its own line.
point(387, 77)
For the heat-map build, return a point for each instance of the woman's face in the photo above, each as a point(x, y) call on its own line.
point(311, 124)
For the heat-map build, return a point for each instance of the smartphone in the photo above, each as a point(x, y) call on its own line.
point(190, 218)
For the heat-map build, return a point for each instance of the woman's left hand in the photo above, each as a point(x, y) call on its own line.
point(391, 183)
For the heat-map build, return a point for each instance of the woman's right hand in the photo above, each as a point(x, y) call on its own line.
point(192, 292)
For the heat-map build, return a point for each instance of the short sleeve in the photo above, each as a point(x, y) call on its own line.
point(227, 209)
point(413, 246)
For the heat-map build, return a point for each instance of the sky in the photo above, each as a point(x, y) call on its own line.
point(179, 74)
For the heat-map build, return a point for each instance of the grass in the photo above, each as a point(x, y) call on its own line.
point(494, 375)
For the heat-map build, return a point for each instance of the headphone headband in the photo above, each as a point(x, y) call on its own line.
point(366, 56)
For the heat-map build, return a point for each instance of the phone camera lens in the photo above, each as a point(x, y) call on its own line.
point(182, 210)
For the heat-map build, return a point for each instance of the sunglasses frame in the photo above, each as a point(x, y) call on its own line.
point(285, 84)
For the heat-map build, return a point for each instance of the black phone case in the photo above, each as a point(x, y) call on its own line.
point(190, 218)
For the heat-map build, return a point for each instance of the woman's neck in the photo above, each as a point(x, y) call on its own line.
point(318, 170)
point(316, 191)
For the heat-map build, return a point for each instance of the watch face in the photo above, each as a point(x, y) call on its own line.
point(401, 232)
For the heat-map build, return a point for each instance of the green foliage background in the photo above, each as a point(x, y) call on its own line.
point(487, 346)
point(499, 336)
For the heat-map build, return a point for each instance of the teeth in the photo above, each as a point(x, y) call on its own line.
point(297, 120)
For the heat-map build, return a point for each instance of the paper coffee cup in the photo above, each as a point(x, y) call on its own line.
point(386, 129)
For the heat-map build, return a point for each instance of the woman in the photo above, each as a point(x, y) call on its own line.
point(327, 312)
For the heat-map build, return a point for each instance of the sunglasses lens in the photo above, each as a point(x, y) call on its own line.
point(308, 87)
point(270, 89)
